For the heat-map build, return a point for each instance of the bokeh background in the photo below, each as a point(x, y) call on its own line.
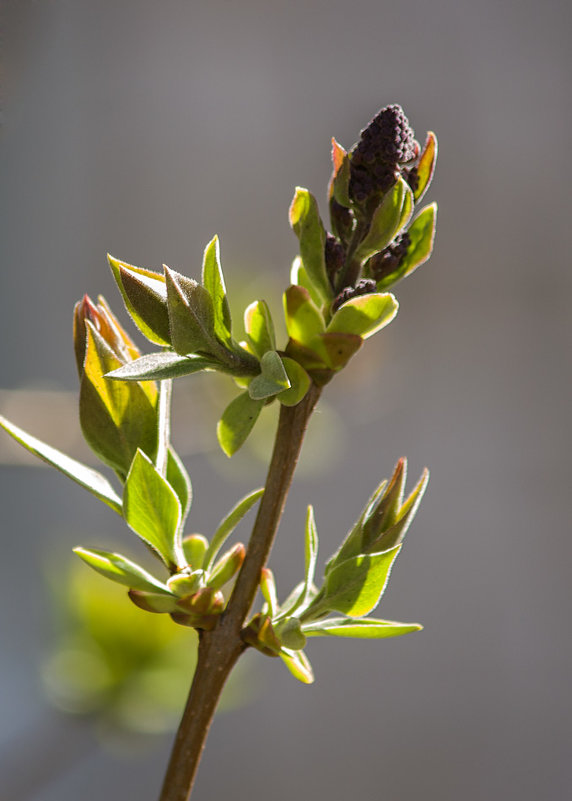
point(142, 128)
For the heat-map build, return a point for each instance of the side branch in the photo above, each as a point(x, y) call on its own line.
point(220, 649)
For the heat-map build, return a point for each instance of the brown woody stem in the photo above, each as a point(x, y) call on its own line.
point(220, 648)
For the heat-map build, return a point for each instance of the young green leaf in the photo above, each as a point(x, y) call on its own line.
point(291, 635)
point(396, 532)
point(116, 417)
point(366, 629)
point(299, 277)
point(237, 422)
point(336, 348)
point(310, 557)
point(117, 568)
point(145, 296)
point(272, 379)
point(191, 314)
point(259, 328)
point(227, 566)
point(213, 282)
point(228, 524)
point(308, 227)
point(153, 601)
point(355, 587)
point(364, 315)
point(299, 383)
point(388, 219)
point(339, 182)
point(195, 547)
point(298, 664)
point(268, 590)
point(163, 365)
point(152, 510)
point(426, 165)
point(180, 481)
point(304, 320)
point(87, 478)
point(422, 235)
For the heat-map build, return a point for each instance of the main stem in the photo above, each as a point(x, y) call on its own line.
point(220, 648)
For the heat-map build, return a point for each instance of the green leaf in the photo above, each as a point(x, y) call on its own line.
point(395, 533)
point(310, 556)
point(145, 296)
point(388, 219)
point(153, 601)
point(259, 328)
point(422, 233)
point(308, 227)
point(366, 629)
point(228, 524)
point(298, 664)
point(152, 510)
point(268, 590)
point(299, 383)
point(335, 348)
point(117, 568)
point(116, 417)
point(364, 315)
point(180, 481)
point(354, 587)
point(303, 318)
point(87, 478)
point(195, 547)
point(227, 567)
point(291, 635)
point(299, 277)
point(339, 183)
point(426, 165)
point(191, 314)
point(160, 366)
point(386, 510)
point(272, 379)
point(213, 282)
point(237, 422)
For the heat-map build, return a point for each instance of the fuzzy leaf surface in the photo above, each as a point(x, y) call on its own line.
point(152, 510)
point(121, 570)
point(237, 422)
point(191, 314)
point(213, 282)
point(145, 296)
point(160, 366)
point(272, 379)
point(355, 587)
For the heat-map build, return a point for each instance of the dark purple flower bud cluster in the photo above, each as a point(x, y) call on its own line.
point(389, 259)
point(364, 287)
point(412, 178)
point(335, 255)
point(387, 143)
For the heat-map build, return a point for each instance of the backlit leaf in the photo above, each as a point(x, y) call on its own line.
point(86, 477)
point(152, 510)
point(237, 422)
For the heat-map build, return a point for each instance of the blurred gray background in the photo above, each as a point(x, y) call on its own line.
point(142, 128)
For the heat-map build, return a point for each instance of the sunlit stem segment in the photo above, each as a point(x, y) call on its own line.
point(220, 648)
